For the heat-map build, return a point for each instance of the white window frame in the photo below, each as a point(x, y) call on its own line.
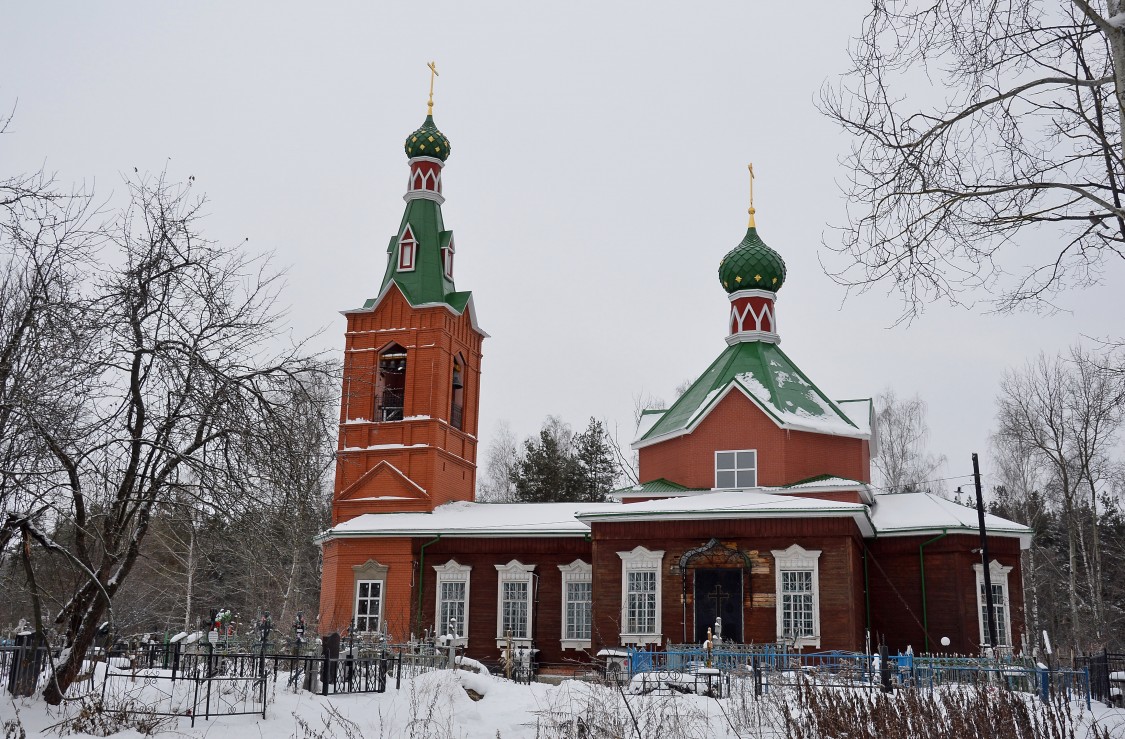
point(405, 240)
point(797, 558)
point(514, 571)
point(447, 253)
point(736, 469)
point(641, 560)
point(379, 608)
point(370, 572)
point(999, 576)
point(576, 572)
point(451, 571)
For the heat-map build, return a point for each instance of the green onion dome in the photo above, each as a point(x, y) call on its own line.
point(427, 141)
point(752, 266)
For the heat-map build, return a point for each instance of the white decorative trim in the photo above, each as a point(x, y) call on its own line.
point(419, 180)
point(576, 571)
point(738, 318)
point(999, 576)
point(768, 337)
point(470, 308)
point(370, 572)
point(420, 158)
point(640, 559)
point(437, 197)
point(447, 253)
point(514, 571)
point(452, 572)
point(797, 558)
point(752, 293)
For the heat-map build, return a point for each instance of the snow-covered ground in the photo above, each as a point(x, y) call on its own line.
point(463, 704)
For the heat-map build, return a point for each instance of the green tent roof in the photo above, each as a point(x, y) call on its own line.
point(770, 378)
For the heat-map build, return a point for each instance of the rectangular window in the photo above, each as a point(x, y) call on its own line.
point(641, 602)
point(406, 255)
point(451, 607)
point(998, 607)
point(578, 599)
point(797, 607)
point(514, 609)
point(736, 469)
point(368, 605)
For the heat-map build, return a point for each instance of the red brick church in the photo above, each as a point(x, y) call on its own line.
point(756, 505)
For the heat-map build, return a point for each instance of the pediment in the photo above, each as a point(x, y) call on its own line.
point(384, 481)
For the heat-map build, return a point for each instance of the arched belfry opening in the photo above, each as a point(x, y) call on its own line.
point(390, 384)
point(457, 394)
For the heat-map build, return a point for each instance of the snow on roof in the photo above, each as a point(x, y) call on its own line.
point(474, 520)
point(910, 514)
point(826, 481)
point(769, 379)
point(859, 412)
point(736, 504)
point(648, 419)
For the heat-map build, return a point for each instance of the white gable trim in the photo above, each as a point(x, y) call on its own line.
point(470, 308)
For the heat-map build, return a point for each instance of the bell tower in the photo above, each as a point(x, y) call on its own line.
point(408, 412)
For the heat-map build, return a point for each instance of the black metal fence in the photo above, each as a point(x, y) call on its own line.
point(1107, 676)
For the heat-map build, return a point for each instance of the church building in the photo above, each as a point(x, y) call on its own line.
point(756, 506)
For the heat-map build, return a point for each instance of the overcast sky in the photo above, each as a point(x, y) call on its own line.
point(597, 177)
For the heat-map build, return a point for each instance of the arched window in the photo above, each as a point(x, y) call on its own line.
point(390, 386)
point(456, 410)
point(447, 253)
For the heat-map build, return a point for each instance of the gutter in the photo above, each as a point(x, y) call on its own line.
point(422, 576)
point(922, 568)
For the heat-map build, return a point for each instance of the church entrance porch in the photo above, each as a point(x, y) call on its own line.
point(718, 594)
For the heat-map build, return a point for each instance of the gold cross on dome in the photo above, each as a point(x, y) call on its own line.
point(751, 210)
point(433, 73)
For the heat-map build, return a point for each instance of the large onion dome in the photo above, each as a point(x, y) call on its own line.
point(752, 266)
point(427, 141)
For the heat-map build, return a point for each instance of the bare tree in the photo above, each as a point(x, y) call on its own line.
point(903, 463)
point(1063, 415)
point(974, 124)
point(502, 460)
point(178, 341)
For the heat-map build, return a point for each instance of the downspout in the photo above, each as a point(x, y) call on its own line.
point(422, 577)
point(922, 568)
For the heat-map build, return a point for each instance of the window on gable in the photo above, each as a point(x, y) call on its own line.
point(447, 259)
point(368, 605)
point(407, 250)
point(390, 384)
point(456, 408)
point(736, 469)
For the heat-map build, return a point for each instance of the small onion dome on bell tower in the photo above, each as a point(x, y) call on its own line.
point(752, 273)
point(427, 148)
point(427, 141)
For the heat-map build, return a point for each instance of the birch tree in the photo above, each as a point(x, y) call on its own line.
point(904, 463)
point(976, 125)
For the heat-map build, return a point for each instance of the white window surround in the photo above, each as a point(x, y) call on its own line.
point(516, 572)
point(999, 575)
point(447, 253)
point(371, 573)
point(797, 558)
point(575, 572)
point(640, 560)
point(451, 572)
point(739, 466)
point(407, 250)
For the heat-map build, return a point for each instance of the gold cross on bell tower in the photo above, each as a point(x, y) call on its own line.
point(751, 210)
point(433, 73)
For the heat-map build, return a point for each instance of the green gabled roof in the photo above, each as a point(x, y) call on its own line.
point(823, 478)
point(766, 374)
point(659, 485)
point(426, 283)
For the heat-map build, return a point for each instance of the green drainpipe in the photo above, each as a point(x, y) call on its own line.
point(922, 567)
point(422, 575)
point(866, 590)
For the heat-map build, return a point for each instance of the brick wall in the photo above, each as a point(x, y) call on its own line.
point(783, 456)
